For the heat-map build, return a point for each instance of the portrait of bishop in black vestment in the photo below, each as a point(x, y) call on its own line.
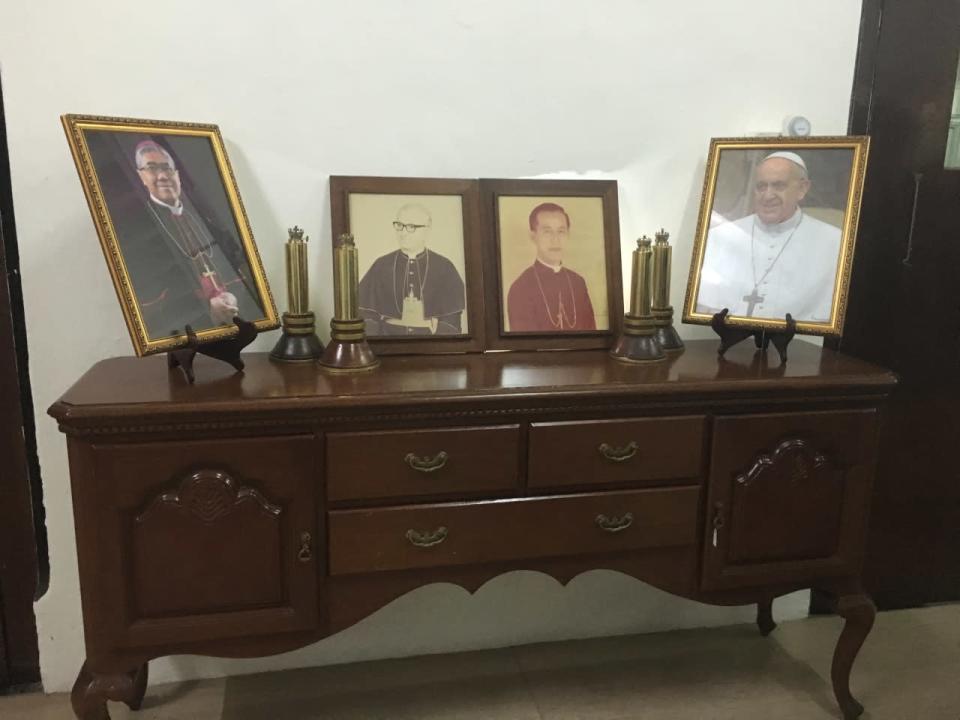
point(413, 290)
point(185, 268)
point(184, 260)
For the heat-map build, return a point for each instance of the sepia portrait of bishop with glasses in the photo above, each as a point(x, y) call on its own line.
point(417, 260)
point(776, 233)
point(172, 228)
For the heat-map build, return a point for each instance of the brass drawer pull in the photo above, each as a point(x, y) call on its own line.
point(427, 539)
point(427, 464)
point(306, 548)
point(621, 454)
point(615, 524)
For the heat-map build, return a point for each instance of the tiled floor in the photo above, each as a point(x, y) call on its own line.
point(909, 669)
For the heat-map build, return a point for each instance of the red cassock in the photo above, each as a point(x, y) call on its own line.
point(544, 300)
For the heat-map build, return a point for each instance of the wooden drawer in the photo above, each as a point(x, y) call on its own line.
point(369, 540)
point(365, 465)
point(616, 451)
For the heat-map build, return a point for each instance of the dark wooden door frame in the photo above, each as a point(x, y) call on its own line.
point(865, 69)
point(904, 308)
point(24, 568)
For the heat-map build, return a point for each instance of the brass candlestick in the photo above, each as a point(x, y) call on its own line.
point(298, 341)
point(348, 349)
point(662, 310)
point(638, 343)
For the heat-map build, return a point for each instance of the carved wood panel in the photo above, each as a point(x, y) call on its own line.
point(209, 509)
point(198, 539)
point(788, 496)
point(786, 506)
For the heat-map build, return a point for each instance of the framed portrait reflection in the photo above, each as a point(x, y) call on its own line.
point(418, 260)
point(172, 228)
point(555, 263)
point(776, 232)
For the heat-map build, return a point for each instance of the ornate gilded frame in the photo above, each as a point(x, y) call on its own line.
point(75, 126)
point(860, 145)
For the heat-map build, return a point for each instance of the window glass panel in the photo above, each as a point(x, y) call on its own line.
point(953, 139)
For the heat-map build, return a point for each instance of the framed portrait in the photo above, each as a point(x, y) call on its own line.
point(776, 232)
point(554, 264)
point(418, 260)
point(172, 228)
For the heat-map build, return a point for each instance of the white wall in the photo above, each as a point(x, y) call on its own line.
point(628, 89)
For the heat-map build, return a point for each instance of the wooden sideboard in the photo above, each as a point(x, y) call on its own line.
point(255, 513)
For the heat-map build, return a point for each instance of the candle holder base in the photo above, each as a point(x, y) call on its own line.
point(299, 342)
point(348, 349)
point(665, 332)
point(638, 343)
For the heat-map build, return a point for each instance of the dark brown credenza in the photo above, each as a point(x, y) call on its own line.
point(255, 513)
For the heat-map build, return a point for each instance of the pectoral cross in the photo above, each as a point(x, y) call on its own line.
point(752, 299)
point(210, 283)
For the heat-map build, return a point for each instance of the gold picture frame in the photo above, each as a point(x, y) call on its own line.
point(185, 258)
point(776, 232)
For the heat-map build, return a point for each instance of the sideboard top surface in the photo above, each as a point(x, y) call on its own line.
point(128, 386)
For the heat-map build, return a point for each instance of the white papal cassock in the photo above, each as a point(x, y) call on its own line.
point(792, 266)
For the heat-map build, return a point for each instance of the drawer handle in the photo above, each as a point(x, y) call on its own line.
point(306, 548)
point(427, 539)
point(427, 464)
point(618, 454)
point(615, 524)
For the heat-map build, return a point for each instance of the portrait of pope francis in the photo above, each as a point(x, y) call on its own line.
point(777, 259)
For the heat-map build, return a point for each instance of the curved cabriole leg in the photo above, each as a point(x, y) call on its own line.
point(87, 700)
point(92, 690)
point(765, 617)
point(858, 611)
point(139, 689)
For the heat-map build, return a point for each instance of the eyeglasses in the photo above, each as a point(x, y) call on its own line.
point(157, 168)
point(409, 227)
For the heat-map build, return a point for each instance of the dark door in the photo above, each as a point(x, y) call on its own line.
point(23, 566)
point(904, 306)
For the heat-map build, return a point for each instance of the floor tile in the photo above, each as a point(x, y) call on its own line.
point(908, 670)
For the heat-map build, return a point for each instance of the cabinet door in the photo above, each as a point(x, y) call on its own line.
point(788, 497)
point(193, 541)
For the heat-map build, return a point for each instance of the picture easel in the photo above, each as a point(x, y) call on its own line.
point(730, 336)
point(227, 350)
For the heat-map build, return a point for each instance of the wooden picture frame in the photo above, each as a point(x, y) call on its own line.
point(591, 245)
point(776, 232)
point(444, 223)
point(185, 258)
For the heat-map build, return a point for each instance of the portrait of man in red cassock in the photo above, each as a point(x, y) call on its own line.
point(548, 296)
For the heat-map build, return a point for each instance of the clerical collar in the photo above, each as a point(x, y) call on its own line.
point(776, 228)
point(419, 256)
point(554, 268)
point(175, 209)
